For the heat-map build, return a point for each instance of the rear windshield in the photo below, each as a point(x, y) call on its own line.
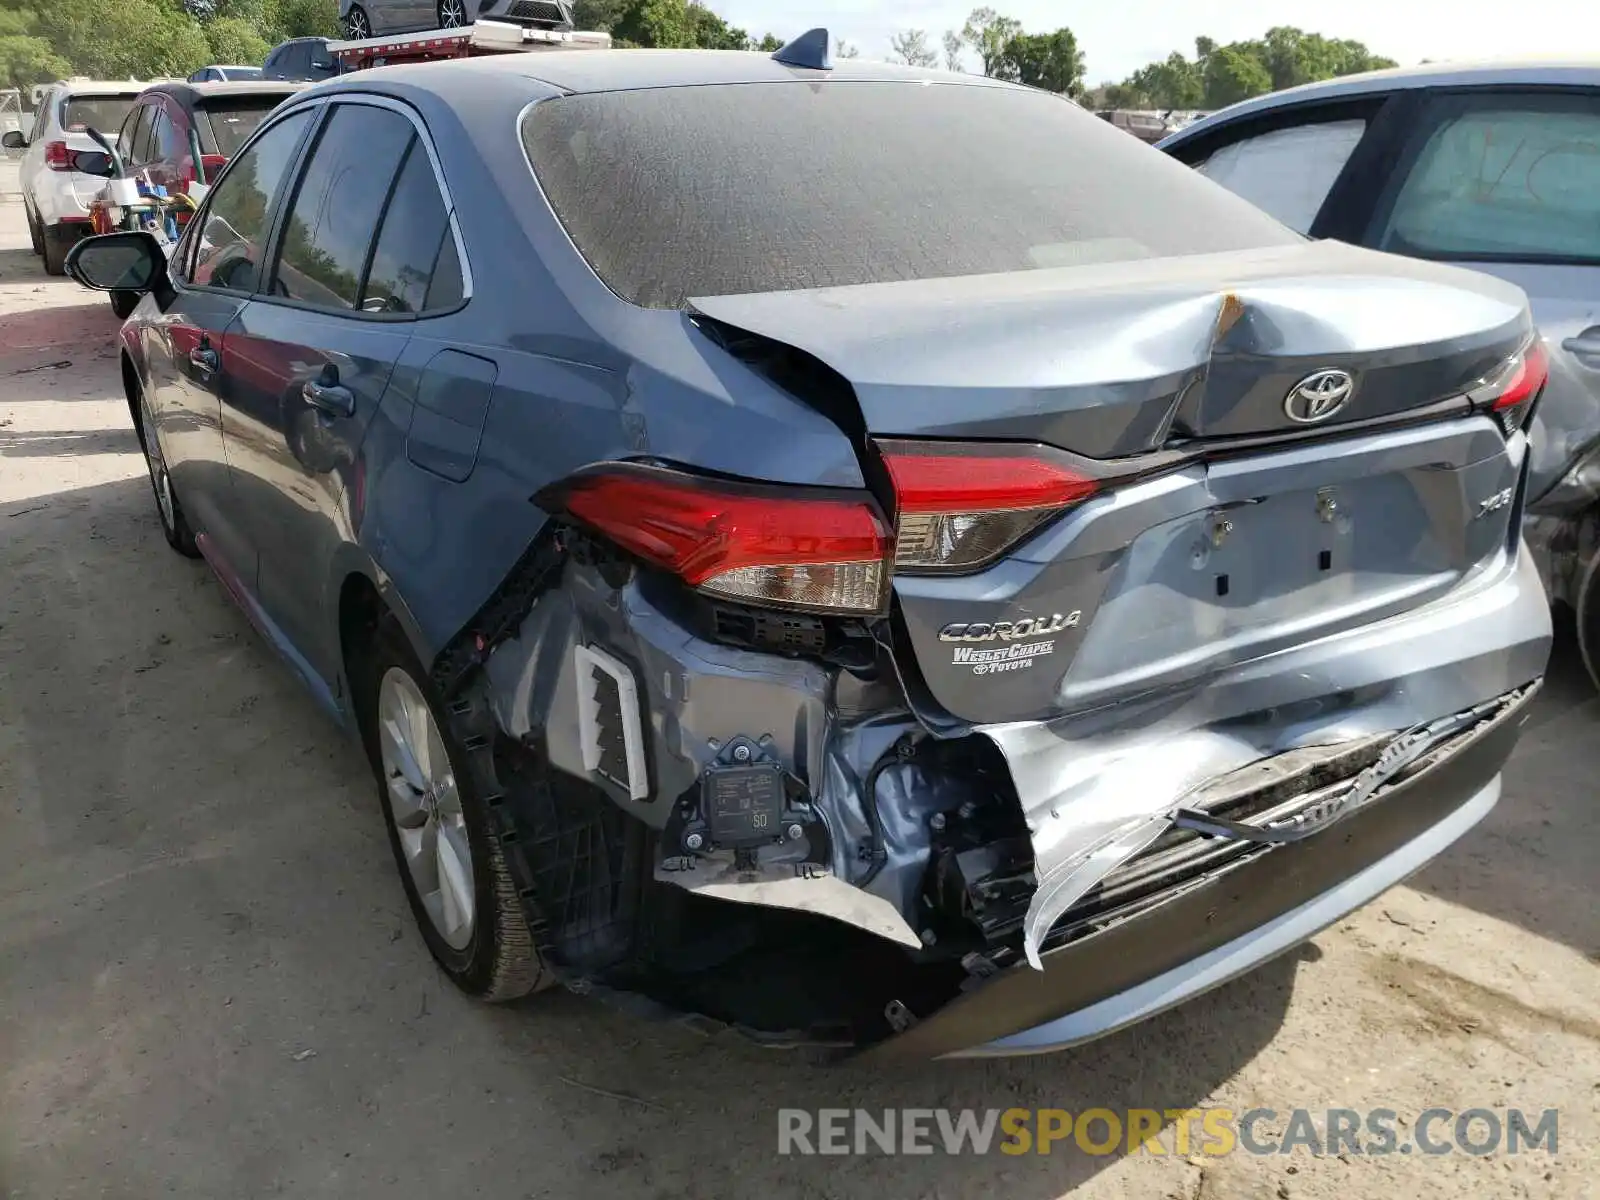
point(718, 190)
point(105, 113)
point(231, 122)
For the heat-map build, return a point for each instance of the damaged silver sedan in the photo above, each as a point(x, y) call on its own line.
point(803, 560)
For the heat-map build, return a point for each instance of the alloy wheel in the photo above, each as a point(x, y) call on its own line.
point(356, 25)
point(160, 480)
point(452, 14)
point(420, 786)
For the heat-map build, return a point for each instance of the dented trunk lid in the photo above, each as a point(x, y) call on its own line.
point(1239, 529)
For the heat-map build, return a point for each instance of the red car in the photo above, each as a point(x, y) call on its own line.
point(154, 141)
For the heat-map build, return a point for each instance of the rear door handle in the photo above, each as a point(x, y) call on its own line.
point(332, 398)
point(203, 357)
point(1585, 344)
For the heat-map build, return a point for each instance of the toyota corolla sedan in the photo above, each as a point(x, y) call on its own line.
point(798, 555)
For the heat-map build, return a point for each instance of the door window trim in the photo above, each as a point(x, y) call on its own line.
point(182, 280)
point(303, 160)
point(1433, 109)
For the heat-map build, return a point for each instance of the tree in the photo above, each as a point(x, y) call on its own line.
point(911, 48)
point(235, 40)
point(304, 18)
point(953, 47)
point(132, 39)
point(602, 15)
point(1233, 74)
point(987, 32)
point(25, 61)
point(1051, 61)
point(1175, 83)
point(771, 41)
point(846, 50)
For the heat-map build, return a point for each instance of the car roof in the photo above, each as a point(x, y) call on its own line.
point(191, 94)
point(1552, 72)
point(97, 87)
point(628, 70)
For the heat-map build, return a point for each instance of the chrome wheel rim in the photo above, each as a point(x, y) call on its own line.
point(452, 14)
point(356, 24)
point(420, 787)
point(160, 481)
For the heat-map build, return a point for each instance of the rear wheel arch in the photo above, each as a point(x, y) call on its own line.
point(362, 606)
point(131, 387)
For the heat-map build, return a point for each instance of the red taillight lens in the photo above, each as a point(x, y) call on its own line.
point(1511, 391)
point(57, 157)
point(961, 507)
point(815, 549)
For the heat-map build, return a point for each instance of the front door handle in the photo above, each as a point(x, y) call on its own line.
point(204, 357)
point(332, 398)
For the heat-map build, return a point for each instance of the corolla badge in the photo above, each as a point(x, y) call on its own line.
point(1318, 396)
point(1007, 631)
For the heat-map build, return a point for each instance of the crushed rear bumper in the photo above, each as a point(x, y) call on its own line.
point(1257, 906)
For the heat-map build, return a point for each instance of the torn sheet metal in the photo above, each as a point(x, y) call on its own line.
point(1095, 796)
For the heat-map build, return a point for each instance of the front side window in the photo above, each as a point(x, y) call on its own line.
point(233, 236)
point(333, 216)
point(671, 193)
point(135, 127)
point(164, 143)
point(1288, 172)
point(1503, 179)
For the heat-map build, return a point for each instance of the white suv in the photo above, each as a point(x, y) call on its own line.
point(55, 194)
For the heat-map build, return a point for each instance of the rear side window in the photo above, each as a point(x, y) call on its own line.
point(227, 125)
point(165, 146)
point(1288, 172)
point(334, 214)
point(104, 113)
point(232, 242)
point(1502, 178)
point(676, 192)
point(415, 228)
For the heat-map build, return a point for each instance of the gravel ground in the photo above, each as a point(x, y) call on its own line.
point(210, 985)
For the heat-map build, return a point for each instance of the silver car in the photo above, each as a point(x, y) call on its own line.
point(374, 18)
point(1491, 166)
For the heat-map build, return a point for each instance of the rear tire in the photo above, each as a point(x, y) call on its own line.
point(449, 856)
point(452, 14)
point(123, 303)
point(1588, 618)
point(34, 235)
point(57, 242)
point(174, 525)
point(357, 25)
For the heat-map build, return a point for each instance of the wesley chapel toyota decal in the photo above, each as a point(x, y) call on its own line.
point(1016, 656)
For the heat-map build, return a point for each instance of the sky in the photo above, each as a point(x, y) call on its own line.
point(1120, 36)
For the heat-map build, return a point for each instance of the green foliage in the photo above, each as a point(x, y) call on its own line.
point(988, 33)
point(303, 18)
point(1233, 74)
point(25, 61)
point(911, 47)
point(1051, 61)
point(1222, 75)
point(235, 40)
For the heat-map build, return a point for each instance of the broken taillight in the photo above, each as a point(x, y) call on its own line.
point(58, 157)
point(818, 549)
point(960, 507)
point(1510, 391)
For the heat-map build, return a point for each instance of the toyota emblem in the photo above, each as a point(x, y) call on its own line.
point(1318, 396)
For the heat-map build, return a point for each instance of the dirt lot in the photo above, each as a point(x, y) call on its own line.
point(210, 985)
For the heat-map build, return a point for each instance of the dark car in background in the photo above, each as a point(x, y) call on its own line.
point(938, 596)
point(305, 59)
point(1493, 166)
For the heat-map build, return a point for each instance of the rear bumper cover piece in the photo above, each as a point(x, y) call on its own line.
point(1231, 922)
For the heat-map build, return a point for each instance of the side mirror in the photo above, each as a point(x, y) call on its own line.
point(95, 162)
point(14, 140)
point(118, 262)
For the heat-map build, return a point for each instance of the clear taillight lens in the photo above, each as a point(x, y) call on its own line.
point(817, 549)
point(959, 507)
point(1512, 389)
